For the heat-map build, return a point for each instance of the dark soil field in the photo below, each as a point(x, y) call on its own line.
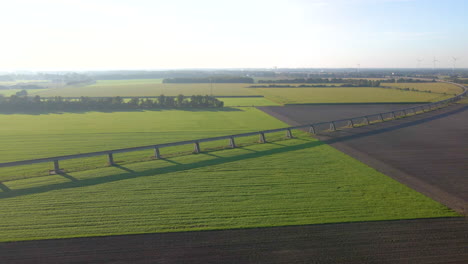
point(308, 114)
point(427, 152)
point(407, 241)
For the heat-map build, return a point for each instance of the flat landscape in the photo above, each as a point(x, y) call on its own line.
point(71, 133)
point(247, 101)
point(345, 95)
point(436, 87)
point(309, 181)
point(154, 87)
point(407, 149)
point(149, 87)
point(300, 184)
point(308, 114)
point(234, 132)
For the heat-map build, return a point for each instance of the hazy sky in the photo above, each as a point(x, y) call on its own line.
point(155, 34)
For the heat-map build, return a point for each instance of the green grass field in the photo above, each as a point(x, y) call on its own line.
point(291, 182)
point(149, 87)
point(154, 87)
point(253, 101)
point(345, 95)
point(433, 87)
point(35, 136)
point(285, 182)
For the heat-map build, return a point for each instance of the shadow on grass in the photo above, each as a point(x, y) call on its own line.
point(154, 172)
point(123, 168)
point(68, 176)
point(4, 188)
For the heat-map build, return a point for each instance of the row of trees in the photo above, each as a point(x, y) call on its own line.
point(356, 83)
point(405, 80)
point(16, 103)
point(343, 82)
point(216, 79)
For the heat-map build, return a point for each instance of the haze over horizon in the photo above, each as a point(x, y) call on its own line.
point(143, 34)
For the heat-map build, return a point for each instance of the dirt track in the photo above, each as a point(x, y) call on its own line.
point(406, 241)
point(427, 152)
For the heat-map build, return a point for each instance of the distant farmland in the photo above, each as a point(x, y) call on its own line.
point(154, 87)
point(284, 182)
point(345, 95)
point(254, 101)
point(149, 87)
point(433, 87)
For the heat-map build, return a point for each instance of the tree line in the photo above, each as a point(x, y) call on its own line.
point(216, 79)
point(405, 80)
point(24, 103)
point(457, 80)
point(342, 82)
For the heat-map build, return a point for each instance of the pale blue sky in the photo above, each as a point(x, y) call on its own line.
point(144, 34)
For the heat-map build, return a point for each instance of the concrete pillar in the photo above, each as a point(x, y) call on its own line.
point(381, 117)
point(289, 133)
point(312, 130)
point(157, 155)
point(393, 115)
point(196, 147)
point(262, 138)
point(110, 159)
point(232, 143)
point(332, 126)
point(351, 122)
point(56, 166)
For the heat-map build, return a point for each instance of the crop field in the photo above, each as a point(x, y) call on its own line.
point(285, 182)
point(433, 87)
point(345, 95)
point(247, 101)
point(149, 87)
point(127, 82)
point(290, 182)
point(154, 87)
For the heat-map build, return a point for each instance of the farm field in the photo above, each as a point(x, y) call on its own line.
point(247, 101)
point(436, 87)
point(345, 95)
point(442, 240)
point(290, 182)
point(149, 87)
point(154, 87)
point(403, 148)
point(72, 133)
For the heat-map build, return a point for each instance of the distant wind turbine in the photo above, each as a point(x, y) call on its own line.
point(434, 62)
point(454, 62)
point(419, 62)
